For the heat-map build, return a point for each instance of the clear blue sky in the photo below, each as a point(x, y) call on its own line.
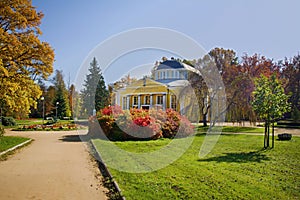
point(268, 27)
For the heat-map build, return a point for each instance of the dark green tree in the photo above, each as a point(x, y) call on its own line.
point(94, 94)
point(102, 94)
point(61, 101)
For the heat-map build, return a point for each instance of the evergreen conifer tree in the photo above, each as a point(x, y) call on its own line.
point(61, 96)
point(94, 95)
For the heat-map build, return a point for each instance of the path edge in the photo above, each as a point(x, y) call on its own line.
point(102, 167)
point(16, 147)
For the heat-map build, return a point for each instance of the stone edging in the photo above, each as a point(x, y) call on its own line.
point(103, 167)
point(15, 147)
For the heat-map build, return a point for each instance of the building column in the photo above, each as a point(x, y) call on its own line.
point(139, 101)
point(164, 101)
point(128, 101)
point(151, 100)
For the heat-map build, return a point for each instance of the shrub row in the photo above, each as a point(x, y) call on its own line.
point(8, 121)
point(138, 124)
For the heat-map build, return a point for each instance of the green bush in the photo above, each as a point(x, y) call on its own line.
point(295, 114)
point(8, 121)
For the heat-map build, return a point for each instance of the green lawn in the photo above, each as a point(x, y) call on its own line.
point(7, 142)
point(29, 121)
point(36, 125)
point(235, 129)
point(237, 168)
point(40, 121)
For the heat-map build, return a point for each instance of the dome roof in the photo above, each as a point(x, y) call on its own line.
point(170, 64)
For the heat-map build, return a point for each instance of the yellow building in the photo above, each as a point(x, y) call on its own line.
point(169, 88)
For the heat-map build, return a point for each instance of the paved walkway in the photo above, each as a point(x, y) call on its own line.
point(55, 166)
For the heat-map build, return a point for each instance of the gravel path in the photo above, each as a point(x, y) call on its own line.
point(56, 165)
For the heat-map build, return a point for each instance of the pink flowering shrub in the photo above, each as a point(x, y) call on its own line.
point(111, 110)
point(172, 123)
point(185, 128)
point(106, 118)
point(145, 127)
point(139, 124)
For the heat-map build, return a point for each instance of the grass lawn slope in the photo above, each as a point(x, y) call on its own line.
point(7, 142)
point(237, 168)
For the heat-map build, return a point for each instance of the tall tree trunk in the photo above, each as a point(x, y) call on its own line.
point(265, 136)
point(268, 138)
point(273, 135)
point(204, 120)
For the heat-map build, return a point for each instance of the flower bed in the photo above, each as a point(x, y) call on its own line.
point(54, 127)
point(138, 124)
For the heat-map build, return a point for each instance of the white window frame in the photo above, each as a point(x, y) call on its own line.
point(145, 100)
point(159, 100)
point(173, 102)
point(135, 98)
point(124, 102)
point(173, 74)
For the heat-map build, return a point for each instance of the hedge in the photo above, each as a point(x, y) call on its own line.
point(8, 121)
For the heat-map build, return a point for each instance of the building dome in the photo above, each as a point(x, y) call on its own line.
point(170, 70)
point(170, 64)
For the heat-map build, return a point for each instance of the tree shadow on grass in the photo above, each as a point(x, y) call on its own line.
point(240, 157)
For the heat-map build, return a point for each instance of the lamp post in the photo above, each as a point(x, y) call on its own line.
point(56, 108)
point(43, 100)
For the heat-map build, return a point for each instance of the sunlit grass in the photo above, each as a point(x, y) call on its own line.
point(7, 142)
point(237, 168)
point(234, 129)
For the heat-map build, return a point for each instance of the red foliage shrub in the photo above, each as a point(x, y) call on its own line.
point(112, 111)
point(138, 124)
point(185, 128)
point(106, 124)
point(106, 111)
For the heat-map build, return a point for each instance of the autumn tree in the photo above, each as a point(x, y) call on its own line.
point(94, 94)
point(252, 67)
point(71, 97)
point(75, 101)
point(49, 99)
point(201, 91)
point(226, 62)
point(291, 74)
point(38, 112)
point(23, 57)
point(238, 77)
point(270, 103)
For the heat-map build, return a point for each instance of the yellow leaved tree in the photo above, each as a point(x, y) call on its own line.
point(23, 57)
